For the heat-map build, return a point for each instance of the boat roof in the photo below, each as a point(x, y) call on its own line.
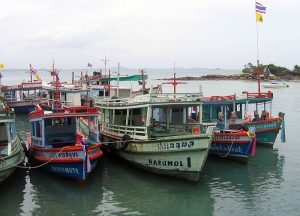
point(78, 111)
point(245, 97)
point(66, 87)
point(161, 99)
point(24, 86)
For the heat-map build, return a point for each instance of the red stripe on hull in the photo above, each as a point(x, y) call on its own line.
point(58, 160)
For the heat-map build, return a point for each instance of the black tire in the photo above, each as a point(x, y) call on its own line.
point(30, 153)
point(25, 150)
point(124, 142)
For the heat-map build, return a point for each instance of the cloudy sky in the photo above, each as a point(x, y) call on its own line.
point(147, 33)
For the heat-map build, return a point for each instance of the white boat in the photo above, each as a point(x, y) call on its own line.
point(155, 133)
point(11, 150)
point(275, 84)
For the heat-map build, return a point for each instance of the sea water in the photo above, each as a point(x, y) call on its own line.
point(268, 185)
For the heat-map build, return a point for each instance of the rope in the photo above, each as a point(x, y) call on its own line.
point(34, 167)
point(224, 156)
point(41, 165)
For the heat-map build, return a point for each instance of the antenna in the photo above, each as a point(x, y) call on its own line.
point(174, 83)
point(105, 60)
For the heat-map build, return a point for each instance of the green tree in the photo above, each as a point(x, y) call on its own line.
point(296, 69)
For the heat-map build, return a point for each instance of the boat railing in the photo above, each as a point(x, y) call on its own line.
point(219, 98)
point(135, 132)
point(150, 98)
point(268, 94)
point(188, 128)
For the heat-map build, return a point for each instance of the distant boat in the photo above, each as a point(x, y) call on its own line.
point(23, 98)
point(275, 84)
point(11, 151)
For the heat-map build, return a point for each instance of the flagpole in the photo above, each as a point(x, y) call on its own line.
point(257, 50)
point(30, 73)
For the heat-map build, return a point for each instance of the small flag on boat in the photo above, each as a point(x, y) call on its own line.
point(33, 71)
point(260, 8)
point(38, 77)
point(2, 65)
point(259, 17)
point(57, 80)
point(90, 65)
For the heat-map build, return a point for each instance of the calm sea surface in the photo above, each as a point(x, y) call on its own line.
point(268, 185)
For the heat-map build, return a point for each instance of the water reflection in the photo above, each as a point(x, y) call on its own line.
point(242, 187)
point(131, 191)
point(55, 194)
point(12, 194)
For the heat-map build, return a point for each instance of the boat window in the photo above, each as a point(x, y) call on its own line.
point(3, 134)
point(38, 129)
point(137, 116)
point(58, 121)
point(70, 121)
point(48, 122)
point(101, 93)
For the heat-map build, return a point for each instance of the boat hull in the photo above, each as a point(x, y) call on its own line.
point(71, 161)
point(26, 106)
point(8, 163)
point(181, 157)
point(236, 146)
point(266, 131)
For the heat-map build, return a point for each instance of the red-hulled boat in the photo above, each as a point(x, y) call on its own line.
point(58, 145)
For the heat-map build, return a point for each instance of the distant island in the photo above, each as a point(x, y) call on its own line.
point(249, 72)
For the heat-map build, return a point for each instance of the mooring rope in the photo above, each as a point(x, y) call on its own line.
point(33, 167)
point(224, 156)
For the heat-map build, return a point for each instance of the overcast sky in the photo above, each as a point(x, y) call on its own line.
point(147, 33)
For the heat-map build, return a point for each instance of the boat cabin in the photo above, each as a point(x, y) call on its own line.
point(151, 116)
point(109, 91)
point(7, 131)
point(24, 91)
point(50, 129)
point(70, 95)
point(225, 110)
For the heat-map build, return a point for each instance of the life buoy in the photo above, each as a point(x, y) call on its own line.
point(196, 130)
point(124, 142)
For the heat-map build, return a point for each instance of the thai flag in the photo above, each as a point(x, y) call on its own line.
point(57, 80)
point(260, 8)
point(33, 71)
point(90, 65)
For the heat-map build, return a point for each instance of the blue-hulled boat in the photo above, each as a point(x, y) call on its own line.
point(57, 144)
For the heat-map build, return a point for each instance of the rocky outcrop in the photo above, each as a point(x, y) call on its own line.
point(243, 76)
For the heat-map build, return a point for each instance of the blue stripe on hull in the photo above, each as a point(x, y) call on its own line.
point(70, 170)
point(233, 150)
point(267, 138)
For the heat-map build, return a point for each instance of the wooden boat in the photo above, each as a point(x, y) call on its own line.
point(153, 132)
point(57, 144)
point(236, 144)
point(23, 98)
point(266, 128)
point(275, 84)
point(11, 150)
